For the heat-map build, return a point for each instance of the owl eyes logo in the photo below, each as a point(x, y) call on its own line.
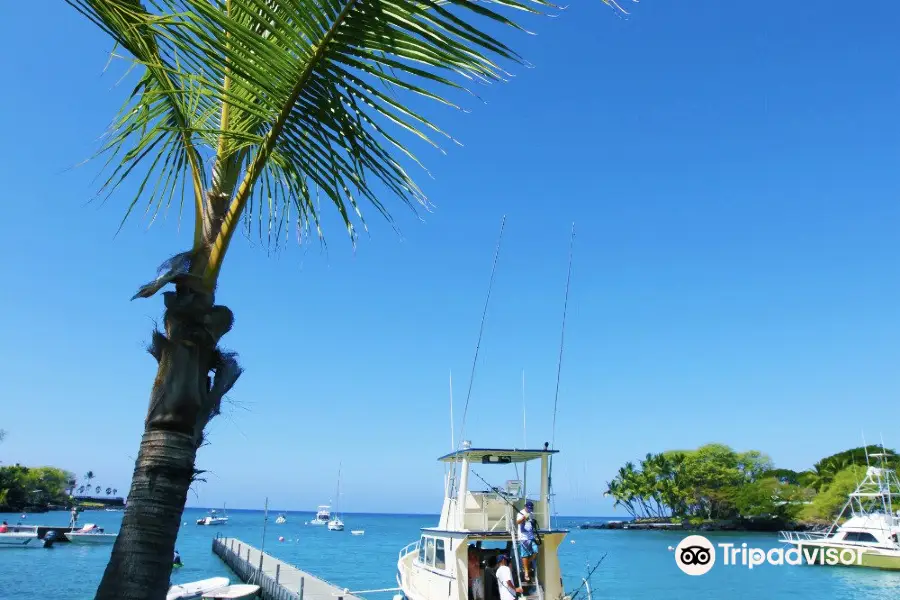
point(695, 555)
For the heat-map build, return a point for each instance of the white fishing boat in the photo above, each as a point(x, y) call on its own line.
point(281, 520)
point(20, 539)
point(358, 532)
point(214, 518)
point(90, 534)
point(196, 589)
point(233, 592)
point(483, 523)
point(335, 523)
point(870, 524)
point(323, 515)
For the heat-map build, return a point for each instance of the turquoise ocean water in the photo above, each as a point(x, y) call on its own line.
point(637, 566)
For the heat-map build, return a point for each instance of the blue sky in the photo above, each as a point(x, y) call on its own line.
point(732, 172)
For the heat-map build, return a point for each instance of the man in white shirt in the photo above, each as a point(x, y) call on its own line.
point(508, 590)
point(524, 520)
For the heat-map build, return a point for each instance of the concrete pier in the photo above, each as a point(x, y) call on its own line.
point(276, 579)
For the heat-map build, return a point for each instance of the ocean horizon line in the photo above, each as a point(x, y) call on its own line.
point(387, 514)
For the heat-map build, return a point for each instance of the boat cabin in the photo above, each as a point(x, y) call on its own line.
point(478, 518)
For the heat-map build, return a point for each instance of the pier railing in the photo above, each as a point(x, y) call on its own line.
point(276, 579)
point(270, 587)
point(802, 536)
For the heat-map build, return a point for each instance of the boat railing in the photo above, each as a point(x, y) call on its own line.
point(803, 536)
point(409, 549)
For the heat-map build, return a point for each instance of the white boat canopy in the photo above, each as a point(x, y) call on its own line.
point(496, 455)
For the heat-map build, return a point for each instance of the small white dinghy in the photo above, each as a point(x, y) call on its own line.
point(90, 534)
point(19, 539)
point(197, 589)
point(280, 520)
point(358, 532)
point(233, 592)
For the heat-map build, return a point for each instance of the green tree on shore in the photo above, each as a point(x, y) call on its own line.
point(288, 101)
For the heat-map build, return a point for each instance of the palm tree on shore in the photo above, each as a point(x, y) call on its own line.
point(289, 101)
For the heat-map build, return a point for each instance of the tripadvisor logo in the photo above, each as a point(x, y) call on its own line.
point(696, 555)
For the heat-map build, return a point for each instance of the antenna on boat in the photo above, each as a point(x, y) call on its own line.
point(562, 339)
point(865, 448)
point(452, 441)
point(524, 430)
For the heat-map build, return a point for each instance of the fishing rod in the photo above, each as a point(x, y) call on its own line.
point(462, 433)
point(574, 595)
point(562, 339)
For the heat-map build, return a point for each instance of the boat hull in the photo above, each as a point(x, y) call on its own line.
point(95, 539)
point(872, 558)
point(19, 540)
point(196, 589)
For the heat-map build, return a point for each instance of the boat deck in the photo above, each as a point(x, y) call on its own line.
point(277, 579)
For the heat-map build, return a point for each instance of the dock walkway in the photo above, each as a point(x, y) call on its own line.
point(276, 579)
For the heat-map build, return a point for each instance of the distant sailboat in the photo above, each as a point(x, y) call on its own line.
point(335, 524)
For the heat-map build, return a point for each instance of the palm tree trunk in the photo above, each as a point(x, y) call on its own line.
point(183, 400)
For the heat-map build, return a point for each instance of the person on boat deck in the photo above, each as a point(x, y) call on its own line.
point(525, 521)
point(505, 586)
point(4, 527)
point(489, 579)
point(176, 560)
point(476, 587)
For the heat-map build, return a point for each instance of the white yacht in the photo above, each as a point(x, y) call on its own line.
point(871, 526)
point(213, 518)
point(323, 515)
point(281, 520)
point(435, 567)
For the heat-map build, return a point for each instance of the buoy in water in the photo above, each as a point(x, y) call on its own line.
point(280, 538)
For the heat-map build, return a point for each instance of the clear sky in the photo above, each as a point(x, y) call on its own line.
point(732, 171)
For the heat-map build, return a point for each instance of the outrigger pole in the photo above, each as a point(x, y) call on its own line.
point(462, 434)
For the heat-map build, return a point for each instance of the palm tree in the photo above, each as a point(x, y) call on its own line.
point(88, 477)
point(97, 490)
point(284, 99)
point(115, 491)
point(108, 491)
point(80, 489)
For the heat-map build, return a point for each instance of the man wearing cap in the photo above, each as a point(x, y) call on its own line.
point(505, 586)
point(524, 520)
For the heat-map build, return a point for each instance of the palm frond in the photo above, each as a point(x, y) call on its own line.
point(157, 120)
point(298, 98)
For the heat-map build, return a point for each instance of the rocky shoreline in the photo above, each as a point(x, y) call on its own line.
point(729, 525)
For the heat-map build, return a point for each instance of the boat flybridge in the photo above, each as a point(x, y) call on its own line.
point(872, 522)
point(323, 515)
point(436, 566)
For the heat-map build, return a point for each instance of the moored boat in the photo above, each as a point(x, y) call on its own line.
point(240, 591)
point(280, 520)
point(481, 526)
point(196, 589)
point(867, 526)
point(323, 515)
point(20, 539)
point(90, 534)
point(213, 518)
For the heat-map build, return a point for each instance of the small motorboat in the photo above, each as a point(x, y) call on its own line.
point(233, 592)
point(19, 539)
point(197, 589)
point(213, 518)
point(358, 532)
point(90, 534)
point(281, 520)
